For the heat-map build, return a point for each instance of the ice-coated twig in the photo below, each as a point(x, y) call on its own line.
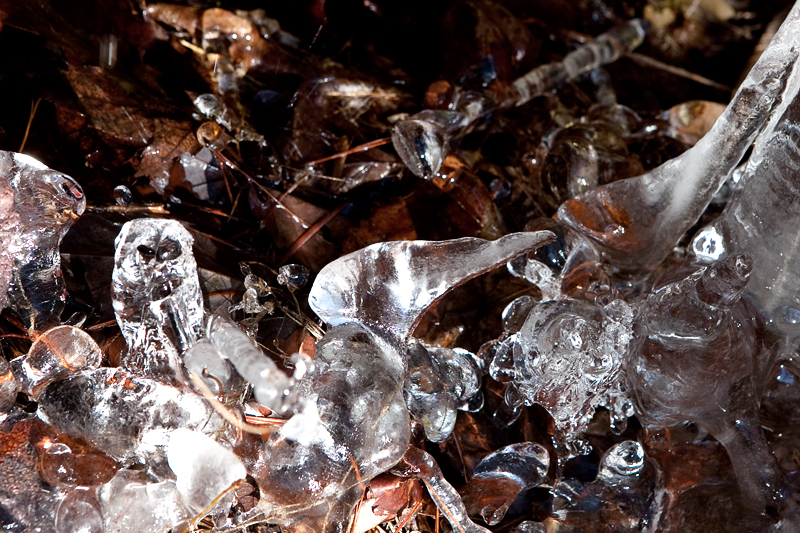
point(418, 464)
point(605, 49)
point(387, 287)
point(422, 140)
point(636, 222)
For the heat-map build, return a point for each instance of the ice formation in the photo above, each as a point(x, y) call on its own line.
point(37, 207)
point(157, 297)
point(627, 486)
point(374, 297)
point(567, 356)
point(205, 470)
point(123, 415)
point(635, 223)
point(56, 353)
point(169, 439)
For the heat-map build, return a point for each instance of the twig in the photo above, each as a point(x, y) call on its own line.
point(304, 238)
point(360, 148)
point(647, 61)
point(34, 107)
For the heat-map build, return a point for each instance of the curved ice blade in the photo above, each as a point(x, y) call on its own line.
point(387, 287)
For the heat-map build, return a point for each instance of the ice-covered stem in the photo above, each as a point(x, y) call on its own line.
point(271, 386)
point(418, 464)
point(37, 207)
point(636, 222)
point(387, 287)
point(761, 481)
point(423, 139)
point(605, 49)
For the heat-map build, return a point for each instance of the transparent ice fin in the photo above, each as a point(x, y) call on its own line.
point(387, 286)
point(501, 476)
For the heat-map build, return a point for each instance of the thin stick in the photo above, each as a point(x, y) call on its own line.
point(360, 148)
point(34, 107)
point(648, 61)
point(410, 515)
point(310, 232)
point(226, 413)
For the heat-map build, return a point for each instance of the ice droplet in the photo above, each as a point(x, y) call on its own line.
point(621, 462)
point(123, 195)
point(293, 276)
point(79, 512)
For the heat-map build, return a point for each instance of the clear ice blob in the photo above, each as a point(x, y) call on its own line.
point(293, 276)
point(635, 223)
point(79, 512)
point(427, 396)
point(439, 381)
point(55, 353)
point(628, 492)
point(205, 470)
point(156, 296)
point(131, 505)
point(123, 415)
point(357, 390)
point(421, 145)
point(501, 476)
point(37, 207)
point(9, 386)
point(700, 359)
